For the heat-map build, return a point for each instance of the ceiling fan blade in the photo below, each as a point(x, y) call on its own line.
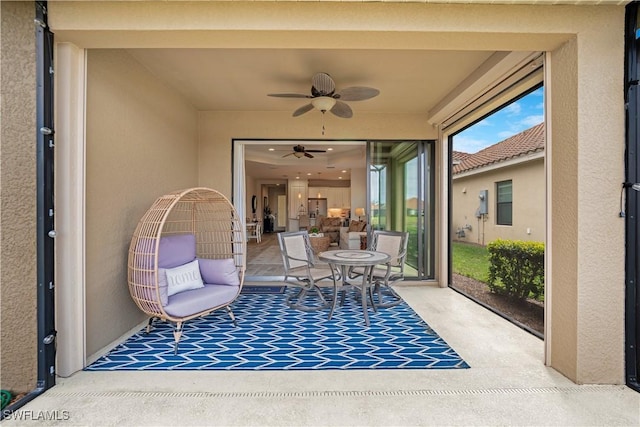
point(288, 95)
point(290, 154)
point(308, 155)
point(300, 111)
point(316, 151)
point(358, 93)
point(342, 110)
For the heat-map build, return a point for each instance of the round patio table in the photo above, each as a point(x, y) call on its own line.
point(353, 258)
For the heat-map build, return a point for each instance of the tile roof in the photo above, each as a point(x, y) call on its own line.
point(526, 142)
point(459, 156)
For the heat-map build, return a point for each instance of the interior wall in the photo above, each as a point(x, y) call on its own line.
point(141, 142)
point(18, 275)
point(359, 191)
point(217, 129)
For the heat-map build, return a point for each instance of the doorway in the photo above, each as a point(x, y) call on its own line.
point(400, 192)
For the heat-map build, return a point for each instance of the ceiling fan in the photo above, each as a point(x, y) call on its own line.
point(324, 97)
point(299, 151)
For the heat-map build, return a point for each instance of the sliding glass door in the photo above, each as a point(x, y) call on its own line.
point(401, 198)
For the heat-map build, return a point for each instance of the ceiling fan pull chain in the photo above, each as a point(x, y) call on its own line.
point(323, 123)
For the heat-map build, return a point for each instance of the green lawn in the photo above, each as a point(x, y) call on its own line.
point(471, 261)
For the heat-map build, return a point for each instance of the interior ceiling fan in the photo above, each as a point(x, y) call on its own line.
point(299, 151)
point(324, 97)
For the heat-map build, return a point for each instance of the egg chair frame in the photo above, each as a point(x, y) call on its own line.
point(219, 234)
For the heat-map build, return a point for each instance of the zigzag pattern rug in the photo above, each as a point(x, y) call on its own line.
point(272, 336)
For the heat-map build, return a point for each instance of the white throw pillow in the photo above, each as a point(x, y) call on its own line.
point(184, 278)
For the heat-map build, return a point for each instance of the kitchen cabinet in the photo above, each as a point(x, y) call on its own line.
point(339, 197)
point(346, 197)
point(317, 192)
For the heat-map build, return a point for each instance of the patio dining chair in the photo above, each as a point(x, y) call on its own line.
point(393, 243)
point(301, 270)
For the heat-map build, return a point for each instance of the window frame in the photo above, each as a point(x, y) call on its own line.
point(499, 204)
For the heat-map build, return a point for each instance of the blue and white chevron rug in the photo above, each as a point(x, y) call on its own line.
point(272, 336)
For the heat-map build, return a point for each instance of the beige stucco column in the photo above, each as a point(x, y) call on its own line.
point(585, 236)
point(18, 282)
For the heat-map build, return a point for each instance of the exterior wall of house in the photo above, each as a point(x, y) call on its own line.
point(18, 281)
point(528, 207)
point(141, 143)
point(585, 296)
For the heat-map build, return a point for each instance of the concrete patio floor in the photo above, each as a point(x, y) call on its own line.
point(507, 384)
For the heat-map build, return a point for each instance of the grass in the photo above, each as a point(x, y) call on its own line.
point(471, 261)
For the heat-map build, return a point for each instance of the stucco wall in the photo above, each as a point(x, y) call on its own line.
point(141, 143)
point(18, 281)
point(528, 204)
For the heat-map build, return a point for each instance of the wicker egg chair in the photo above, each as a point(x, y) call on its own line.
point(208, 216)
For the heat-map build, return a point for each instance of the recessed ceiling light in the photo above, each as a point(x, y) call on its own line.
point(329, 149)
point(339, 177)
point(297, 177)
point(272, 149)
point(344, 171)
point(308, 173)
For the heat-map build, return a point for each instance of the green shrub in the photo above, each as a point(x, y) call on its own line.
point(516, 268)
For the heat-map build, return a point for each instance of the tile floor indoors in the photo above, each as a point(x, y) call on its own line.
point(507, 384)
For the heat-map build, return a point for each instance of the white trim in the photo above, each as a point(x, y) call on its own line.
point(500, 164)
point(239, 184)
point(445, 239)
point(70, 113)
point(548, 256)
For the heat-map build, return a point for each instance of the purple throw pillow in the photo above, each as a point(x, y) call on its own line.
point(219, 271)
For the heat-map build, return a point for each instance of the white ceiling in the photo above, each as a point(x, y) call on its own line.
point(410, 81)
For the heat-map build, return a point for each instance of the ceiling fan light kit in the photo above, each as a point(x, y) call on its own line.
point(323, 103)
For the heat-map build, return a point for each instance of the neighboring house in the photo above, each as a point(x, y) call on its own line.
point(124, 136)
point(510, 178)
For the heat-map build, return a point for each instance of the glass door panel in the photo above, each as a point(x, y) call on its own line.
point(401, 197)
